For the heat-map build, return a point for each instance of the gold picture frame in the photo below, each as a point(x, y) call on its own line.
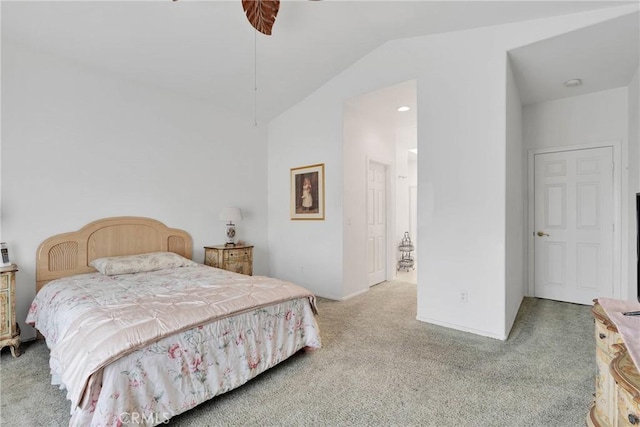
point(307, 192)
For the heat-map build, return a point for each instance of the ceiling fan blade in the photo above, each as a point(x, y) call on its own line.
point(261, 14)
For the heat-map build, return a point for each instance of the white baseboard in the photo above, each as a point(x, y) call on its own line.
point(336, 298)
point(355, 294)
point(462, 328)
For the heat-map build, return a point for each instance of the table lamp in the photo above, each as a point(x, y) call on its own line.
point(231, 215)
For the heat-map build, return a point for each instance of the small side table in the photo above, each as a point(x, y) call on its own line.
point(9, 329)
point(238, 259)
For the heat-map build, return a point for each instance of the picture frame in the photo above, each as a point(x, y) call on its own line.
point(307, 192)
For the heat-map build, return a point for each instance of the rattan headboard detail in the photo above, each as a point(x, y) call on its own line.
point(70, 253)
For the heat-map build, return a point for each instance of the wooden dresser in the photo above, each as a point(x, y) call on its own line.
point(617, 398)
point(9, 330)
point(238, 259)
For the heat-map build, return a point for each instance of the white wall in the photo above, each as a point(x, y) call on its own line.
point(516, 189)
point(592, 118)
point(78, 145)
point(600, 117)
point(461, 197)
point(634, 182)
point(461, 81)
point(306, 252)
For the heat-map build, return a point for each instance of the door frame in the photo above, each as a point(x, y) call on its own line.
point(390, 198)
point(617, 211)
point(413, 218)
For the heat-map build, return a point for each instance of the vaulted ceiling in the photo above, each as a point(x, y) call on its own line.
point(206, 49)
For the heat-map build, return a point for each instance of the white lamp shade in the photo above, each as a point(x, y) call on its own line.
point(230, 214)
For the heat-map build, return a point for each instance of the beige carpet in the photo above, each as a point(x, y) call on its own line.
point(379, 366)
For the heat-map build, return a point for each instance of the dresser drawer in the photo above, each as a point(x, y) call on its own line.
point(606, 338)
point(628, 409)
point(605, 408)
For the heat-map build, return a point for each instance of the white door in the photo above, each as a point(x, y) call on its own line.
point(376, 222)
point(574, 225)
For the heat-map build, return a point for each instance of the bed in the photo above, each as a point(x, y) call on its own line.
point(139, 333)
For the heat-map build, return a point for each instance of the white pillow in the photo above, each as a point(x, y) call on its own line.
point(139, 263)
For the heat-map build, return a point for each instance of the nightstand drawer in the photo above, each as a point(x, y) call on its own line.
point(9, 330)
point(237, 255)
point(5, 314)
point(211, 258)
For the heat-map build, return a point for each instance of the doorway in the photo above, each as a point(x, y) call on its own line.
point(573, 224)
point(375, 217)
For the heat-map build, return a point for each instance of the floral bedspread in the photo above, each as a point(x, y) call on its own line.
point(174, 373)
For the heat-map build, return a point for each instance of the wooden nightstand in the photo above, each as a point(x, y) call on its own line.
point(9, 329)
point(238, 259)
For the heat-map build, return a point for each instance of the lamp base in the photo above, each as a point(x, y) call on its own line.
point(231, 235)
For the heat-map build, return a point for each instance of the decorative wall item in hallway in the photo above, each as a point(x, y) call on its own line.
point(405, 247)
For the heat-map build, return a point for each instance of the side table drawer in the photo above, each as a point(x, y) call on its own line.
point(9, 329)
point(211, 258)
point(237, 255)
point(5, 313)
point(240, 267)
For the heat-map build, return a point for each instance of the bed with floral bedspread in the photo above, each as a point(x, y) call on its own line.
point(137, 348)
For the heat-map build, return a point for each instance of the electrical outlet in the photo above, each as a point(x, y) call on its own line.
point(463, 296)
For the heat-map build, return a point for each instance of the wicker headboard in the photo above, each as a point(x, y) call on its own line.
point(70, 253)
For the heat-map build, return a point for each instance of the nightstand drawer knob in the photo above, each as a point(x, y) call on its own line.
point(633, 419)
point(602, 336)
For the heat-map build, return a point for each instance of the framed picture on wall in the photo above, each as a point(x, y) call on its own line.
point(307, 192)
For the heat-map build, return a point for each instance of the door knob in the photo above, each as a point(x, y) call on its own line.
point(540, 234)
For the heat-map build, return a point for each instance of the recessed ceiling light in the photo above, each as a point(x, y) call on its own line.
point(573, 83)
point(403, 108)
